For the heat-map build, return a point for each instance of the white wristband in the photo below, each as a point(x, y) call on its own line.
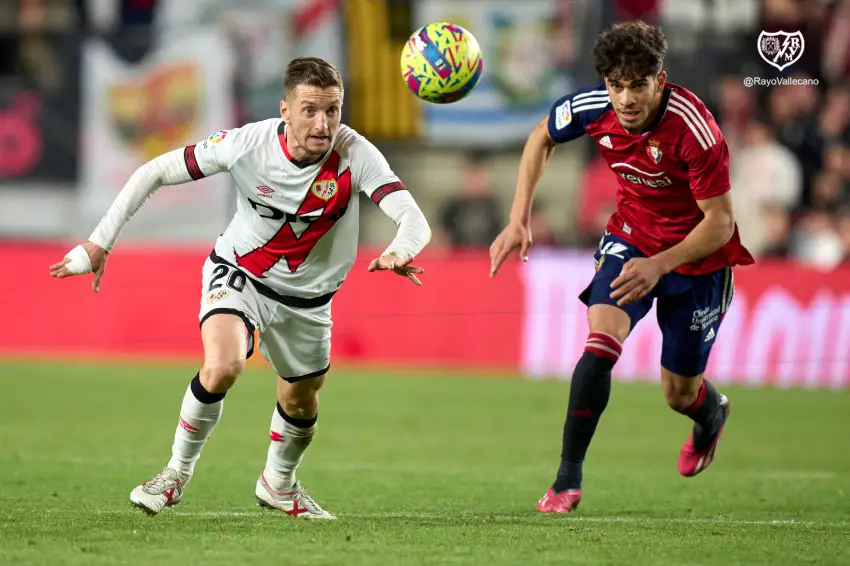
point(80, 262)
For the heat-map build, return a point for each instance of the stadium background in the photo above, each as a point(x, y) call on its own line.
point(90, 90)
point(422, 464)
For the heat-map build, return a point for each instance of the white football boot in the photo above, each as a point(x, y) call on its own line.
point(163, 490)
point(295, 502)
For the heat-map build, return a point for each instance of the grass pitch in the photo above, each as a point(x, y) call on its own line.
point(420, 469)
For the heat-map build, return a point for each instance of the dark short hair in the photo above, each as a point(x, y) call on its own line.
point(310, 71)
point(630, 51)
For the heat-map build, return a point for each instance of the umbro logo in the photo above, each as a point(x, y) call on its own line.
point(264, 191)
point(606, 141)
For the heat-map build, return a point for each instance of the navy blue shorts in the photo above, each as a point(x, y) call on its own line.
point(690, 307)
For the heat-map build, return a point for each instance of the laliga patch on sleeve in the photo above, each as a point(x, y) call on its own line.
point(563, 115)
point(218, 137)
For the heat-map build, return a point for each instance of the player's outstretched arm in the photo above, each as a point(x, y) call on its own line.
point(568, 119)
point(413, 235)
point(377, 180)
point(535, 156)
point(172, 168)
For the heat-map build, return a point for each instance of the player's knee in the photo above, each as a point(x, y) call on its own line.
point(680, 392)
point(300, 399)
point(220, 375)
point(678, 401)
point(301, 408)
point(609, 327)
point(609, 320)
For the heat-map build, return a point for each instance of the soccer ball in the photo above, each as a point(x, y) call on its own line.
point(441, 63)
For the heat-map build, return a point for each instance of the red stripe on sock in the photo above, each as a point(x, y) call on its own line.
point(698, 403)
point(583, 414)
point(606, 340)
point(604, 346)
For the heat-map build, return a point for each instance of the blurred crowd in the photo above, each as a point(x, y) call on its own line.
point(790, 145)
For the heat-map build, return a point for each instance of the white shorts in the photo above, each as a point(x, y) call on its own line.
point(295, 337)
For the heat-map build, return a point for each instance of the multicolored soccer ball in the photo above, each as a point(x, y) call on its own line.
point(441, 63)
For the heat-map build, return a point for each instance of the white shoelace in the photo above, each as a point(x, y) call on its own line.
point(157, 484)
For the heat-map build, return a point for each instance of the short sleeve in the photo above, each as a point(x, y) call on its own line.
point(371, 172)
point(702, 146)
point(708, 167)
point(571, 115)
point(215, 154)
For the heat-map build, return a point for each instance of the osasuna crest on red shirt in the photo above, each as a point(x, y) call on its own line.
point(654, 151)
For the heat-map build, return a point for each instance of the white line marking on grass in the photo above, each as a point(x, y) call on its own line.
point(608, 519)
point(537, 519)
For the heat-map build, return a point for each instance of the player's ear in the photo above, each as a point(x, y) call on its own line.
point(284, 111)
point(662, 80)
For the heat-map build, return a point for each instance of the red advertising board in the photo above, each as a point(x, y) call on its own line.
point(787, 325)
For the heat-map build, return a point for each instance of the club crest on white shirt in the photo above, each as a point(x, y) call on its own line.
point(324, 189)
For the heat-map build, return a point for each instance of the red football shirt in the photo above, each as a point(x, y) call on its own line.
point(661, 173)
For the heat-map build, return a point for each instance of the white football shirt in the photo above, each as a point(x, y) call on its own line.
point(296, 227)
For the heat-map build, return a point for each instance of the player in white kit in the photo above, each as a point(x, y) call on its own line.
point(275, 269)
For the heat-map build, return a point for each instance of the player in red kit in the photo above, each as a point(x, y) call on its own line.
point(673, 240)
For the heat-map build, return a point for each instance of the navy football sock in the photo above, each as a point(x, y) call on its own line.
point(590, 389)
point(706, 414)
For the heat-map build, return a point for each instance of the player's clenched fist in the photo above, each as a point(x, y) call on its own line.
point(514, 236)
point(85, 258)
point(400, 265)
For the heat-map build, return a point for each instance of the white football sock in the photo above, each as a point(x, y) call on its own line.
point(288, 443)
point(197, 421)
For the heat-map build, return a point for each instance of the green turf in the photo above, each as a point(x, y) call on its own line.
point(420, 470)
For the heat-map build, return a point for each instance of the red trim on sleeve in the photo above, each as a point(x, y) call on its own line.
point(192, 163)
point(382, 191)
